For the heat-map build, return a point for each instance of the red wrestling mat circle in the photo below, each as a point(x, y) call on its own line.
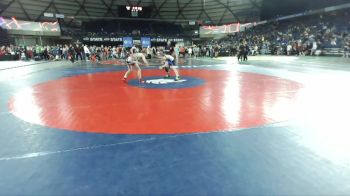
point(102, 103)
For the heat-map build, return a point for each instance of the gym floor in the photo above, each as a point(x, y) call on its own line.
point(268, 126)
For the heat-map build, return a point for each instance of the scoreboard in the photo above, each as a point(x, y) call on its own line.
point(129, 11)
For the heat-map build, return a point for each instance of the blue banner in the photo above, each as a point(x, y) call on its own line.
point(145, 42)
point(127, 42)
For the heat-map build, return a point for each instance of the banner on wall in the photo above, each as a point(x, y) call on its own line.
point(127, 42)
point(159, 40)
point(145, 42)
point(103, 39)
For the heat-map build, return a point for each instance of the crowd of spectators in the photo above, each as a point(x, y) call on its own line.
point(311, 35)
point(73, 52)
point(57, 52)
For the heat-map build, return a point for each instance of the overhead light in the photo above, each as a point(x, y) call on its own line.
point(59, 15)
point(50, 15)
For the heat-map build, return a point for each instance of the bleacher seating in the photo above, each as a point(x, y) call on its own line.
point(130, 27)
point(332, 51)
point(329, 31)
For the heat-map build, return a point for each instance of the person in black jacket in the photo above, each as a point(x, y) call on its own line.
point(240, 52)
point(78, 52)
point(245, 53)
point(71, 53)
